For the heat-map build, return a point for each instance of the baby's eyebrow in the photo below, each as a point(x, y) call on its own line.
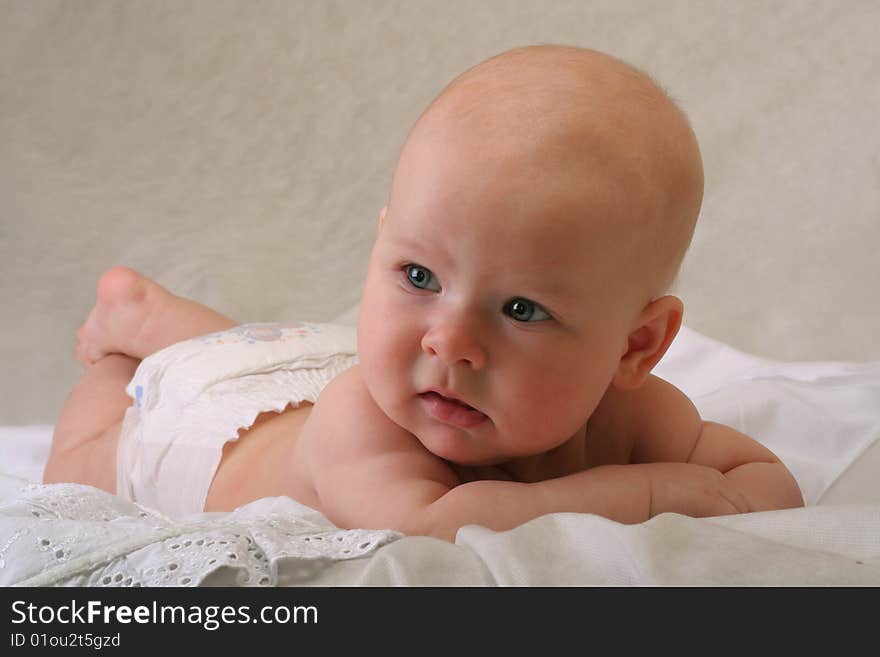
point(539, 285)
point(416, 248)
point(407, 242)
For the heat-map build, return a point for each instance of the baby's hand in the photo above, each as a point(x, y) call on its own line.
point(693, 490)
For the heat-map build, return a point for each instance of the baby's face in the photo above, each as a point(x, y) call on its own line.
point(487, 286)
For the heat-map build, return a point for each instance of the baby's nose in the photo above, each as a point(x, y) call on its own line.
point(455, 343)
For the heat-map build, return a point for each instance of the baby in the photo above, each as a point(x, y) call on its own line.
point(513, 309)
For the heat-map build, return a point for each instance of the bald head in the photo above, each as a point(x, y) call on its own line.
point(596, 122)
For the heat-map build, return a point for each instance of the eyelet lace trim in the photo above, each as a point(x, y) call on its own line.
point(74, 535)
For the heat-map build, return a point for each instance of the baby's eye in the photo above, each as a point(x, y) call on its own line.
point(523, 310)
point(421, 277)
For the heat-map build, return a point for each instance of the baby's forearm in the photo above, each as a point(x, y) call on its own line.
point(619, 492)
point(624, 493)
point(766, 486)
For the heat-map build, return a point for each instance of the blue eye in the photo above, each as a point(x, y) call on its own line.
point(523, 310)
point(421, 277)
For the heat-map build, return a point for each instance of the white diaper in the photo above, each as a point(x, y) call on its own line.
point(194, 396)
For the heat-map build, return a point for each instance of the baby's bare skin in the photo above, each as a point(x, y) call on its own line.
point(264, 462)
point(281, 453)
point(538, 214)
point(134, 317)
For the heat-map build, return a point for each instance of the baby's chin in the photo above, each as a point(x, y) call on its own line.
point(466, 461)
point(478, 462)
point(455, 447)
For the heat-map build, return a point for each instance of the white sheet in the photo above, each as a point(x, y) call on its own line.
point(821, 418)
point(25, 450)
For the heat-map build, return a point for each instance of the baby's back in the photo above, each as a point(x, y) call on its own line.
point(265, 461)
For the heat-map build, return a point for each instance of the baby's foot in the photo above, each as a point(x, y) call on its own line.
point(126, 302)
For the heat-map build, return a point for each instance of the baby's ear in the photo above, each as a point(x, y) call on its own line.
point(655, 330)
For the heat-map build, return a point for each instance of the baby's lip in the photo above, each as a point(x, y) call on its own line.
point(450, 395)
point(451, 410)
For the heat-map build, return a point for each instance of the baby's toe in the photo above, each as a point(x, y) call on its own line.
point(85, 351)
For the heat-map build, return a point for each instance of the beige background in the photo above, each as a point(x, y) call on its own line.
point(239, 152)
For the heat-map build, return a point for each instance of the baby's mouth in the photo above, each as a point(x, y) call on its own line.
point(451, 411)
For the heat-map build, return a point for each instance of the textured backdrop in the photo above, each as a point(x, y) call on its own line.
point(239, 152)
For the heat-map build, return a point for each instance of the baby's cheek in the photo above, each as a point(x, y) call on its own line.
point(384, 356)
point(551, 415)
point(391, 345)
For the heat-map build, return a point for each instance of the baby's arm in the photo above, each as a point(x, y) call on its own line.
point(665, 429)
point(368, 472)
point(678, 463)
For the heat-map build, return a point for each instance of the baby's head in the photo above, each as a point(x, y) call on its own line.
point(539, 211)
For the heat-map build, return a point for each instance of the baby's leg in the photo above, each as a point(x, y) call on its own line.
point(87, 431)
point(133, 317)
point(136, 316)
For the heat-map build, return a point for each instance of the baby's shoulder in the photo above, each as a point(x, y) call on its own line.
point(652, 392)
point(347, 422)
point(655, 421)
point(345, 403)
point(349, 438)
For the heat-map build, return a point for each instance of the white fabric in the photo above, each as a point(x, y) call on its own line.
point(819, 417)
point(193, 397)
point(71, 535)
point(25, 450)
